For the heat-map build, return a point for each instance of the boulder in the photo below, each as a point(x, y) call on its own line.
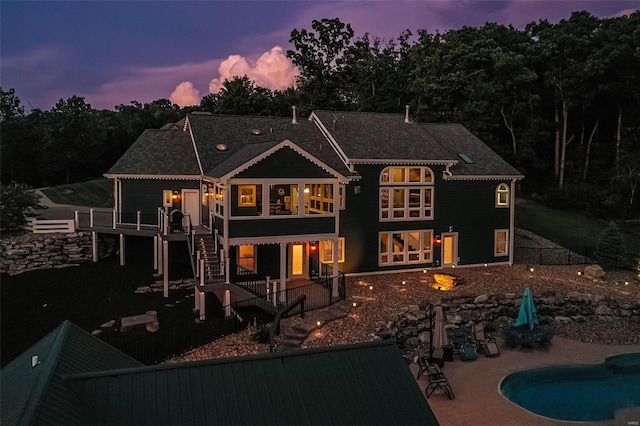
point(593, 272)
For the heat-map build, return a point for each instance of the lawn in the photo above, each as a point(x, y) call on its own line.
point(36, 302)
point(571, 229)
point(93, 193)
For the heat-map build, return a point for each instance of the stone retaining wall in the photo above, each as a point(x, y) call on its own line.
point(410, 327)
point(44, 251)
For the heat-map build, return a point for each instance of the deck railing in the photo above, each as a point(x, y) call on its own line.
point(41, 226)
point(186, 331)
point(137, 220)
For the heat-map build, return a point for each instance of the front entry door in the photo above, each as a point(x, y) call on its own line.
point(450, 249)
point(191, 205)
point(298, 265)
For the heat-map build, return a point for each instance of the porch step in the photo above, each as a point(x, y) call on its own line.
point(306, 327)
point(292, 343)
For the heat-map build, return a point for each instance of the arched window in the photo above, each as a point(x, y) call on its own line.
point(502, 195)
point(406, 193)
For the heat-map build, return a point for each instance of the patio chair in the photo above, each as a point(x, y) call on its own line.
point(462, 344)
point(437, 380)
point(485, 343)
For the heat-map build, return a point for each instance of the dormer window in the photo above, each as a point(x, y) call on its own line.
point(502, 195)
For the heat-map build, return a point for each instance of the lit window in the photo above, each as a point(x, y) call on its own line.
point(411, 202)
point(319, 198)
point(502, 195)
point(246, 259)
point(501, 238)
point(167, 201)
point(326, 251)
point(405, 247)
point(247, 195)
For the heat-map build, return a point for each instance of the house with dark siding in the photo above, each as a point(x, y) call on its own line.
point(288, 198)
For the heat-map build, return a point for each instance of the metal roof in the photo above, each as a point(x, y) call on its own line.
point(364, 384)
point(37, 395)
point(81, 380)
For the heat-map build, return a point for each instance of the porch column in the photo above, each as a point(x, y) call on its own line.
point(121, 249)
point(155, 253)
point(283, 273)
point(94, 246)
point(165, 268)
point(158, 252)
point(336, 253)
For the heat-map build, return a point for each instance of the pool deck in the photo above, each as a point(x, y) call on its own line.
point(475, 384)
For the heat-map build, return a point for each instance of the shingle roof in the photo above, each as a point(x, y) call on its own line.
point(365, 384)
point(166, 152)
point(376, 136)
point(38, 395)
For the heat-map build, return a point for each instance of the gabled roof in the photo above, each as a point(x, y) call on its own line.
point(38, 395)
point(246, 137)
point(81, 380)
point(377, 137)
point(161, 153)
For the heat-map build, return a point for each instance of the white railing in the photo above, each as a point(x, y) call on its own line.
point(41, 226)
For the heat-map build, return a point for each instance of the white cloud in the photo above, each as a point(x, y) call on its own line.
point(272, 70)
point(185, 94)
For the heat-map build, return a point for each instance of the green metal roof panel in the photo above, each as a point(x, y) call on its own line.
point(159, 152)
point(357, 384)
point(38, 395)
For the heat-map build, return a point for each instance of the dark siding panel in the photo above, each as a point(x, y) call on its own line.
point(146, 195)
point(273, 227)
point(466, 206)
point(285, 163)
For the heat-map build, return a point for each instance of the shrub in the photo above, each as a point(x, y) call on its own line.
point(17, 201)
point(611, 252)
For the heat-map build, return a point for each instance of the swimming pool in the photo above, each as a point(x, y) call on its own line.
point(577, 392)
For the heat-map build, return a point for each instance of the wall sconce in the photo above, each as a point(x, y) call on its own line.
point(313, 246)
point(438, 239)
point(357, 189)
point(174, 195)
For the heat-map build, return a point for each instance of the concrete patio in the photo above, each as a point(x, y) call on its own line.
point(475, 384)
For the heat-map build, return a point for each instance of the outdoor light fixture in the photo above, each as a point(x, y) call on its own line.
point(424, 271)
point(485, 265)
point(579, 273)
point(626, 283)
point(354, 304)
point(404, 282)
point(318, 323)
point(174, 195)
point(531, 269)
point(313, 246)
point(438, 239)
point(370, 287)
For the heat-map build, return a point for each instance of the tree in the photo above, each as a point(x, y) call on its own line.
point(319, 54)
point(611, 251)
point(10, 107)
point(17, 200)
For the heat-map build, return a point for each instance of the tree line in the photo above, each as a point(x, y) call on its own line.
point(561, 102)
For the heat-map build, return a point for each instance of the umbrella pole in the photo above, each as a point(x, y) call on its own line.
point(430, 330)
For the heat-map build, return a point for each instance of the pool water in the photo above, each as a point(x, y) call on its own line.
point(577, 392)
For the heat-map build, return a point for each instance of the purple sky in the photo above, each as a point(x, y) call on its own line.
point(113, 52)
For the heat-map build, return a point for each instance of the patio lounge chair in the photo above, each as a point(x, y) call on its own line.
point(437, 380)
point(485, 343)
point(462, 344)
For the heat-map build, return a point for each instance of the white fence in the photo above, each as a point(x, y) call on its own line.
point(40, 226)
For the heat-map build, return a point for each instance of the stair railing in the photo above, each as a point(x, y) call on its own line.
point(275, 326)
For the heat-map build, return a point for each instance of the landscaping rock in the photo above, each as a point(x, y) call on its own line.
point(594, 272)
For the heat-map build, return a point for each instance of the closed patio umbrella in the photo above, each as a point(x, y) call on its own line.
point(440, 338)
point(527, 314)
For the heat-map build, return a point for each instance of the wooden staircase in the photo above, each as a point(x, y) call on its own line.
point(212, 268)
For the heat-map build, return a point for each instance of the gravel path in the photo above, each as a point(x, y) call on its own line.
point(379, 297)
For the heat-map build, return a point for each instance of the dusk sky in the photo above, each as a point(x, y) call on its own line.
point(114, 52)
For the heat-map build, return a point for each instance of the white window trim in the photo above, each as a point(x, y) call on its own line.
point(506, 242)
point(502, 188)
point(425, 213)
point(341, 245)
point(425, 256)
